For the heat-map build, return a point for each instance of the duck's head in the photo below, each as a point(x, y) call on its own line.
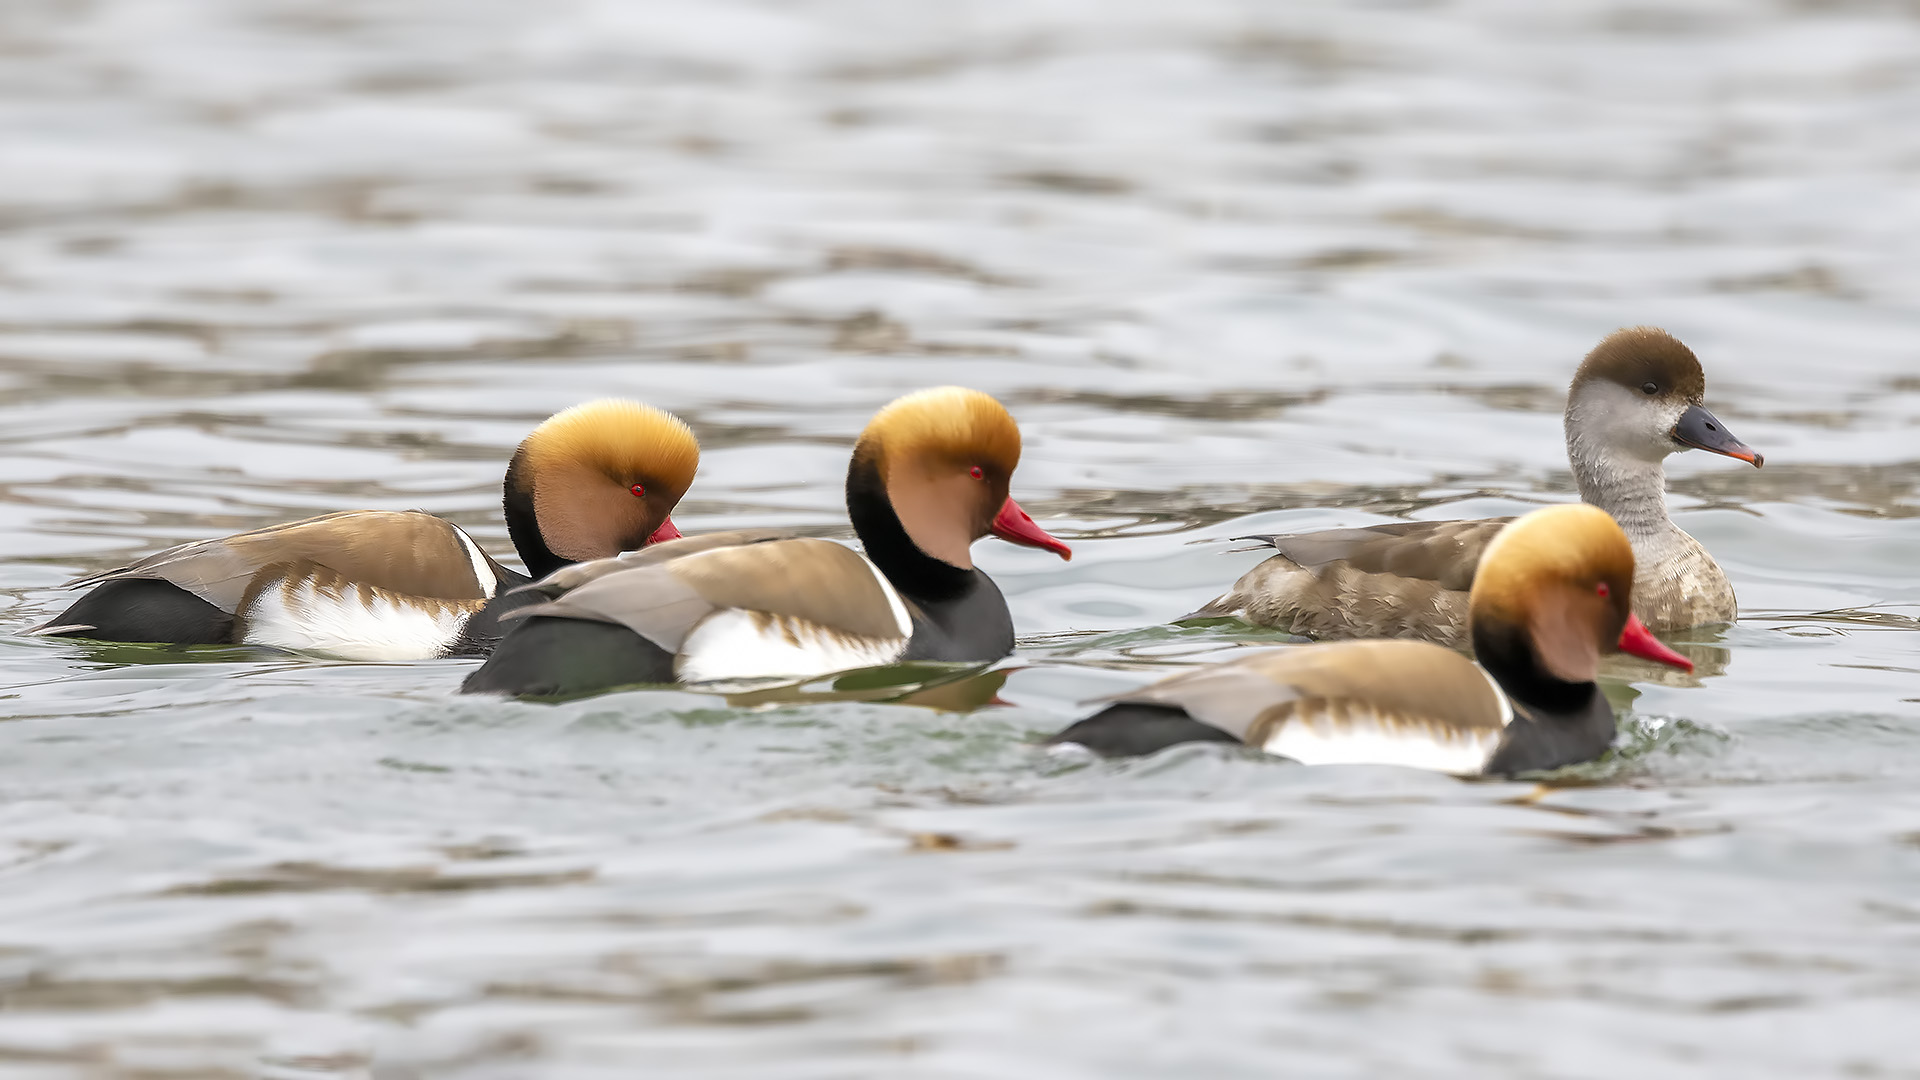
point(942, 460)
point(596, 480)
point(1638, 395)
point(1553, 592)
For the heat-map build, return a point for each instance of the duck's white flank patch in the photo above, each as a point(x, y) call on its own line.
point(736, 644)
point(481, 571)
point(1359, 738)
point(377, 626)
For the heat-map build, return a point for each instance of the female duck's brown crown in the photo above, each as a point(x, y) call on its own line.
point(618, 438)
point(1642, 355)
point(943, 424)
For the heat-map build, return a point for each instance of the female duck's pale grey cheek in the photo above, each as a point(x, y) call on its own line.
point(1625, 421)
point(1665, 420)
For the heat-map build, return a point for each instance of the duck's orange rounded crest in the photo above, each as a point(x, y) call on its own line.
point(945, 424)
point(617, 437)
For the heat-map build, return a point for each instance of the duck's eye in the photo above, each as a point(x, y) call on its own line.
point(639, 491)
point(1602, 590)
point(1649, 388)
point(976, 472)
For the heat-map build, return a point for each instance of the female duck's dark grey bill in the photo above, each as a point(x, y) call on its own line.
point(1702, 430)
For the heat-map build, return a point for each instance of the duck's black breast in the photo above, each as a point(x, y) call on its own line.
point(971, 623)
point(1539, 739)
point(484, 630)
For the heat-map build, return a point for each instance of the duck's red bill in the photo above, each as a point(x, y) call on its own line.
point(666, 531)
point(1014, 526)
point(1639, 641)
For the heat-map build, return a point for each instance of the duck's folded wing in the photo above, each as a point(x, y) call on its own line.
point(568, 578)
point(1444, 552)
point(409, 552)
point(1386, 702)
point(796, 587)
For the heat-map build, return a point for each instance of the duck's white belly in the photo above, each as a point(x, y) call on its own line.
point(354, 624)
point(735, 644)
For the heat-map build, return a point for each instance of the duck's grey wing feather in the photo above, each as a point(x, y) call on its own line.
point(572, 577)
point(814, 582)
point(1444, 552)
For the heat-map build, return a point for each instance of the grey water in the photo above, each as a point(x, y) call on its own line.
point(1235, 267)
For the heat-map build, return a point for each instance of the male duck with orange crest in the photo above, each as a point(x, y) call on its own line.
point(929, 476)
point(1553, 593)
point(1635, 400)
point(590, 482)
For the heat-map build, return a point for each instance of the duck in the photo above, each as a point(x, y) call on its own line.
point(929, 476)
point(1635, 399)
point(393, 585)
point(1553, 593)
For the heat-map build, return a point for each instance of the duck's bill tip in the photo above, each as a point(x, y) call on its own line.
point(1740, 451)
point(666, 531)
point(1013, 525)
point(1701, 430)
point(1637, 640)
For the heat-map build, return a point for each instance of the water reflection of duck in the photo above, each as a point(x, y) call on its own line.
point(1552, 594)
point(1634, 400)
point(590, 482)
point(929, 476)
point(939, 687)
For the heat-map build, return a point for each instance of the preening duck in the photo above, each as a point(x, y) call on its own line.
point(1553, 592)
point(929, 476)
point(1634, 400)
point(589, 483)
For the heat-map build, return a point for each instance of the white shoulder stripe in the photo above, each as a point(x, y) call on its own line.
point(899, 608)
point(1506, 705)
point(481, 571)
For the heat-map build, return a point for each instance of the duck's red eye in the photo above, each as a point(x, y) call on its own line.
point(1602, 589)
point(639, 490)
point(976, 472)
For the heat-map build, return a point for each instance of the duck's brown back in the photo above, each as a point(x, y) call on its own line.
point(403, 553)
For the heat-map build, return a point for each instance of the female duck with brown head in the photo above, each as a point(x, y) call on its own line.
point(929, 476)
point(1635, 400)
point(589, 483)
point(1552, 595)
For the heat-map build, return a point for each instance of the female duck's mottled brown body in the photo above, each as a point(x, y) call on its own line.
point(590, 482)
point(1635, 399)
point(1554, 594)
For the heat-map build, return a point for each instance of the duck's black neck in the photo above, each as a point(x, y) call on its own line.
point(523, 527)
point(914, 572)
point(1507, 654)
point(1555, 723)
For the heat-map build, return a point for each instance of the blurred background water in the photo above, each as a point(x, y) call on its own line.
point(1235, 266)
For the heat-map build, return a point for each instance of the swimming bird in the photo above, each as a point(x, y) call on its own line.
point(929, 476)
point(1554, 592)
point(588, 483)
point(1635, 399)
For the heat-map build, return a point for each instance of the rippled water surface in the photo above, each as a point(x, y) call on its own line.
point(1235, 266)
